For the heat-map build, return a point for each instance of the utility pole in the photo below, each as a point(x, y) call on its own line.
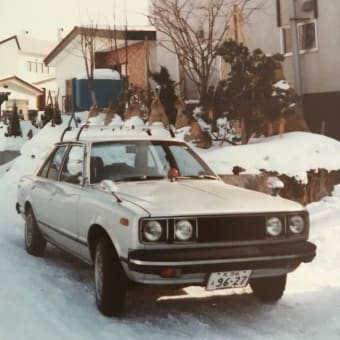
point(295, 48)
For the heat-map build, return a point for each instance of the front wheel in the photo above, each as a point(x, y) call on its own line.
point(35, 244)
point(110, 279)
point(269, 289)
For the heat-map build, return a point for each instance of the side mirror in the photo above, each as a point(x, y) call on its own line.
point(110, 187)
point(275, 185)
point(107, 185)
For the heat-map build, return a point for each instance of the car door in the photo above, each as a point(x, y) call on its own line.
point(64, 200)
point(44, 187)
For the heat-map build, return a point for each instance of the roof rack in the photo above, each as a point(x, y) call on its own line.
point(146, 129)
point(69, 128)
point(81, 130)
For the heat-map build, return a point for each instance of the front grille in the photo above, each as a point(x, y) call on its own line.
point(231, 228)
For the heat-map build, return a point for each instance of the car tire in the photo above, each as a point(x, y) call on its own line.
point(35, 244)
point(269, 289)
point(110, 279)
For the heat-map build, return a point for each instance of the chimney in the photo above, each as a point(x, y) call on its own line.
point(60, 33)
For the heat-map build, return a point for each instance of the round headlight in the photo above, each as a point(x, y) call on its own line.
point(183, 230)
point(274, 226)
point(152, 231)
point(296, 224)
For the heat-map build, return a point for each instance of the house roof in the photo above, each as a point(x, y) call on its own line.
point(45, 80)
point(31, 45)
point(18, 84)
point(130, 34)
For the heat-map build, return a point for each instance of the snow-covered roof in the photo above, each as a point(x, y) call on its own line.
point(101, 73)
point(27, 44)
point(36, 46)
point(130, 33)
point(19, 84)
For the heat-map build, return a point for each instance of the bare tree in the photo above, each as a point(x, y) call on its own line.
point(88, 49)
point(195, 28)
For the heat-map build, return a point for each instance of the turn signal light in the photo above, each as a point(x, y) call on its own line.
point(124, 221)
point(170, 272)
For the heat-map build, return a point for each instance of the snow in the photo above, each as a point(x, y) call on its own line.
point(282, 85)
point(53, 297)
point(101, 73)
point(293, 154)
point(15, 143)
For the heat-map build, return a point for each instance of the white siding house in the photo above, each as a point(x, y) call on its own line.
point(307, 33)
point(23, 73)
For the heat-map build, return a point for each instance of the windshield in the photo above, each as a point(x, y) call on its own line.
point(143, 160)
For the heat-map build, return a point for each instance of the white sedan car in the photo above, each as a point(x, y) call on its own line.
point(149, 210)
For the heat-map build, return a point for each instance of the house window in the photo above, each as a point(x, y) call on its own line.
point(35, 66)
point(28, 66)
point(307, 36)
point(124, 70)
point(286, 40)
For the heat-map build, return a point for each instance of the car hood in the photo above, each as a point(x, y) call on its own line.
point(200, 197)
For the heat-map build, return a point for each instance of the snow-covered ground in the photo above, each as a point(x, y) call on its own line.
point(53, 297)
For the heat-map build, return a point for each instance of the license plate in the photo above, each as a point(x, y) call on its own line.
point(232, 279)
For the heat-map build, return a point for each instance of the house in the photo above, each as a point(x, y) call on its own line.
point(23, 73)
point(129, 50)
point(307, 33)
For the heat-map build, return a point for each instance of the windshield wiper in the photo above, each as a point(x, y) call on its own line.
point(139, 178)
point(207, 176)
point(199, 176)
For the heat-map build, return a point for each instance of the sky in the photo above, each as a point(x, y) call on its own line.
point(42, 18)
point(52, 298)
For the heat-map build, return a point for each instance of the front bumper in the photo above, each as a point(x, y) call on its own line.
point(272, 258)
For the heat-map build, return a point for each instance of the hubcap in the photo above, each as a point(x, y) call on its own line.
point(29, 230)
point(98, 273)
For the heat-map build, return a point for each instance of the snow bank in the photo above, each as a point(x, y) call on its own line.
point(286, 154)
point(53, 297)
point(292, 154)
point(101, 73)
point(15, 143)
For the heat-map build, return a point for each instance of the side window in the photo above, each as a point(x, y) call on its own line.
point(73, 166)
point(56, 162)
point(43, 172)
point(187, 164)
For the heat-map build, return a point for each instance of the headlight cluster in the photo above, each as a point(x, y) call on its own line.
point(274, 226)
point(172, 230)
point(295, 224)
point(153, 231)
